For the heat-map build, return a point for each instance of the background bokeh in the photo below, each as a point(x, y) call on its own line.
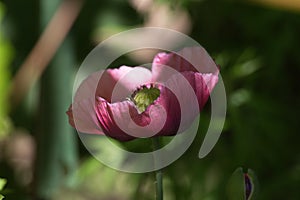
point(256, 43)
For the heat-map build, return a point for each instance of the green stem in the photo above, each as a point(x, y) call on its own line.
point(158, 173)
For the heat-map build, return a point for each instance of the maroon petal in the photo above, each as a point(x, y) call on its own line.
point(179, 100)
point(122, 121)
point(105, 114)
point(195, 65)
point(183, 95)
point(171, 107)
point(194, 59)
point(202, 85)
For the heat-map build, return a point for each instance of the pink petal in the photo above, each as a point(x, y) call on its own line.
point(82, 117)
point(113, 84)
point(116, 84)
point(190, 90)
point(81, 113)
point(171, 107)
point(122, 121)
point(196, 68)
point(105, 114)
point(194, 59)
point(181, 105)
point(202, 85)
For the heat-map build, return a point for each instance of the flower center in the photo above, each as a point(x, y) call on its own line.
point(145, 96)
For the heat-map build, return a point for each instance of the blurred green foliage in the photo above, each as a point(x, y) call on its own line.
point(258, 51)
point(5, 59)
point(2, 184)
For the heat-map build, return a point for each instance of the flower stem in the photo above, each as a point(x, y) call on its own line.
point(159, 185)
point(158, 173)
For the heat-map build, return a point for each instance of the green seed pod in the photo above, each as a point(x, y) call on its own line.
point(242, 185)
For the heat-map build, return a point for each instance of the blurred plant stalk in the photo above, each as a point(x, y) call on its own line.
point(6, 55)
point(56, 144)
point(45, 48)
point(283, 4)
point(159, 195)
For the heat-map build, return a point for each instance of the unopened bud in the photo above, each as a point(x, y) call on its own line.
point(242, 185)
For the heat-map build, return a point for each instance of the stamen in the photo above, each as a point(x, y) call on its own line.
point(145, 96)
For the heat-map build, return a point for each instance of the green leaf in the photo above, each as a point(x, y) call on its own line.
point(2, 183)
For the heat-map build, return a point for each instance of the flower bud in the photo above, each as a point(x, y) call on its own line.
point(242, 185)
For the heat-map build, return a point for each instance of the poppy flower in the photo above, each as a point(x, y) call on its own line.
point(132, 102)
